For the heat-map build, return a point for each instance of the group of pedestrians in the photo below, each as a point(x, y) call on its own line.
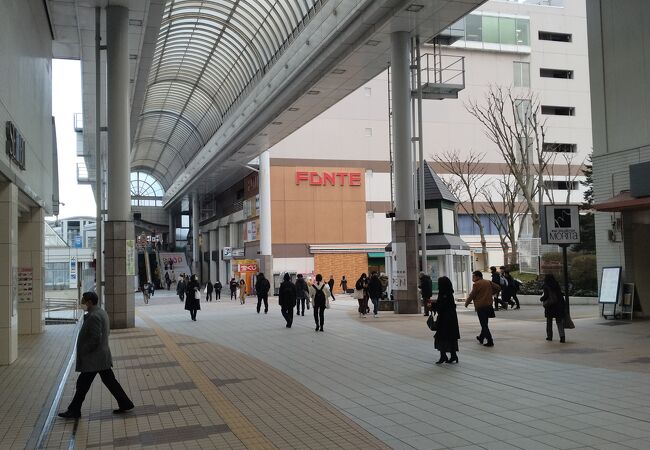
point(369, 288)
point(508, 289)
point(298, 294)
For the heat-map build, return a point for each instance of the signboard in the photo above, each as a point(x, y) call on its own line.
point(130, 257)
point(247, 268)
point(398, 264)
point(238, 252)
point(73, 272)
point(250, 230)
point(15, 144)
point(25, 284)
point(227, 253)
point(561, 224)
point(77, 241)
point(610, 285)
point(325, 178)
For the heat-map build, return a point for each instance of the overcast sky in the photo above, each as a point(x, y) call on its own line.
point(66, 100)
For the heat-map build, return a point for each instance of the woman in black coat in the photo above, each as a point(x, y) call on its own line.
point(447, 333)
point(192, 296)
point(554, 306)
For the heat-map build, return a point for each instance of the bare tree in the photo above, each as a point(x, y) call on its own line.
point(514, 125)
point(570, 179)
point(505, 210)
point(468, 183)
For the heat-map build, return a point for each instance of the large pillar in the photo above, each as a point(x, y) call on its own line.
point(266, 243)
point(172, 232)
point(404, 232)
point(233, 241)
point(223, 270)
point(8, 268)
point(205, 266)
point(196, 263)
point(119, 230)
point(213, 248)
point(31, 259)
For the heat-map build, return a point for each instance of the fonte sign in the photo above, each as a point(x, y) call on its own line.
point(328, 178)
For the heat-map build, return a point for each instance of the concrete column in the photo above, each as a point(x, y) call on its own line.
point(266, 242)
point(404, 230)
point(8, 268)
point(31, 256)
point(172, 232)
point(195, 235)
point(223, 270)
point(205, 266)
point(214, 269)
point(118, 86)
point(232, 242)
point(119, 285)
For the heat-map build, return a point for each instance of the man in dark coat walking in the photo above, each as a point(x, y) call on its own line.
point(374, 291)
point(262, 287)
point(94, 357)
point(287, 299)
point(209, 288)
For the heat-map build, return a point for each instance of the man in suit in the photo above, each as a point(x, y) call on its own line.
point(94, 357)
point(481, 296)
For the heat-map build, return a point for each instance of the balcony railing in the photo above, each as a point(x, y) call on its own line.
point(442, 76)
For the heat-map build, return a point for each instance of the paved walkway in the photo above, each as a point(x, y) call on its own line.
point(236, 379)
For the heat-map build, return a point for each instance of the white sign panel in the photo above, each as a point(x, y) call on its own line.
point(398, 264)
point(227, 253)
point(562, 224)
point(610, 285)
point(73, 272)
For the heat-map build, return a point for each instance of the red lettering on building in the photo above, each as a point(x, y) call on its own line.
point(301, 176)
point(326, 178)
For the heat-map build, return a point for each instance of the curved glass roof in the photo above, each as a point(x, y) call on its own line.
point(208, 53)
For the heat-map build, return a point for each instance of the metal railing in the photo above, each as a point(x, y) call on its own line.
point(61, 310)
point(442, 69)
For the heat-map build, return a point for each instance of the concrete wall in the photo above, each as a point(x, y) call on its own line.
point(26, 94)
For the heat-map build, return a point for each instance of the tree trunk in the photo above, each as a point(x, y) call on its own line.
point(484, 255)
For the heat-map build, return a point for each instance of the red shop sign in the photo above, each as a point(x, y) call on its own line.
point(248, 267)
point(328, 178)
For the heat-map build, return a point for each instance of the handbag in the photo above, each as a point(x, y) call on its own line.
point(568, 322)
point(432, 323)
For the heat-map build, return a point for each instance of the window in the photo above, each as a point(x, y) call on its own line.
point(507, 26)
point(523, 109)
point(557, 37)
point(467, 226)
point(492, 29)
point(559, 148)
point(474, 28)
point(558, 110)
point(556, 73)
point(557, 185)
point(448, 225)
point(521, 74)
point(523, 32)
point(145, 190)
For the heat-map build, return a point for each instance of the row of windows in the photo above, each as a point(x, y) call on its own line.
point(493, 29)
point(467, 226)
point(521, 73)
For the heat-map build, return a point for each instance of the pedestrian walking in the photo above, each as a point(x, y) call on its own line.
point(482, 297)
point(330, 284)
point(554, 307)
point(180, 288)
point(513, 288)
point(496, 279)
point(242, 291)
point(217, 290)
point(262, 287)
point(302, 295)
point(320, 295)
point(193, 297)
point(168, 281)
point(94, 357)
point(361, 294)
point(209, 288)
point(426, 291)
point(374, 292)
point(506, 287)
point(344, 284)
point(145, 293)
point(233, 289)
point(447, 332)
point(287, 299)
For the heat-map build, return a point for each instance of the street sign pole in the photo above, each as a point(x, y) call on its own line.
point(565, 263)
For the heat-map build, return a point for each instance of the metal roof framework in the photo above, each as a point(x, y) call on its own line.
point(208, 54)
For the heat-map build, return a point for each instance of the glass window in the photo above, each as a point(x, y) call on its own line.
point(522, 30)
point(491, 29)
point(507, 31)
point(448, 225)
point(432, 220)
point(521, 74)
point(185, 221)
point(473, 28)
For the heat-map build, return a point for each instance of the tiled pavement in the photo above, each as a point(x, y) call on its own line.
point(236, 379)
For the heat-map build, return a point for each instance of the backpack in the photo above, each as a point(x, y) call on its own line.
point(319, 296)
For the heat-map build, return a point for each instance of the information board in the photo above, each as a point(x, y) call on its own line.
point(561, 224)
point(610, 285)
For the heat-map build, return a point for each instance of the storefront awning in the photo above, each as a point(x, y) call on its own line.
point(375, 254)
point(623, 201)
